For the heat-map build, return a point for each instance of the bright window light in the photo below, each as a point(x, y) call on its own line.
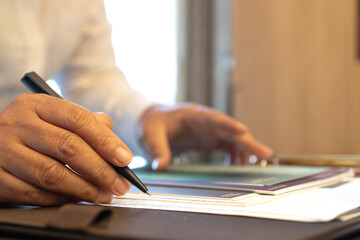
point(144, 42)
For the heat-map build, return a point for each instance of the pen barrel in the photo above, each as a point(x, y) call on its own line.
point(131, 177)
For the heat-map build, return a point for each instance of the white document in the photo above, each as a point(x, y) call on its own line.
point(314, 205)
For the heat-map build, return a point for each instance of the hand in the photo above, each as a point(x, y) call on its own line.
point(41, 136)
point(192, 126)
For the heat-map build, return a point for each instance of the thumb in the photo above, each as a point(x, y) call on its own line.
point(156, 141)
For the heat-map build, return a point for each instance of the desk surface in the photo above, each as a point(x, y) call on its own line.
point(155, 224)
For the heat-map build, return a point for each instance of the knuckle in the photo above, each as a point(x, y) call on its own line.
point(68, 147)
point(196, 109)
point(79, 117)
point(32, 196)
point(124, 189)
point(104, 119)
point(22, 107)
point(109, 121)
point(102, 174)
point(35, 196)
point(87, 193)
point(105, 141)
point(23, 98)
point(192, 106)
point(28, 99)
point(52, 174)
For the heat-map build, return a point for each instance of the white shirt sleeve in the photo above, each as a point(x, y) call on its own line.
point(92, 79)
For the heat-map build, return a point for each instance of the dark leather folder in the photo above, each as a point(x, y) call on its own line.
point(78, 221)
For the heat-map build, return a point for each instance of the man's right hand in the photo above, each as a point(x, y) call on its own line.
point(53, 151)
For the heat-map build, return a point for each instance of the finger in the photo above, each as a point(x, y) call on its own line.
point(244, 155)
point(205, 139)
point(104, 119)
point(80, 121)
point(16, 191)
point(252, 145)
point(235, 157)
point(51, 175)
point(155, 139)
point(72, 150)
point(244, 142)
point(211, 118)
point(227, 128)
point(238, 155)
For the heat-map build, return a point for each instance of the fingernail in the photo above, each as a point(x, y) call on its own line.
point(123, 156)
point(120, 187)
point(104, 197)
point(155, 164)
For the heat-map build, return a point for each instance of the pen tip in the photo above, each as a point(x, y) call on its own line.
point(148, 193)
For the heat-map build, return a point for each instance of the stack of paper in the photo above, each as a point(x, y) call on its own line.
point(278, 192)
point(274, 180)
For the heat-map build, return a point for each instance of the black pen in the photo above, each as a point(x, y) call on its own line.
point(37, 85)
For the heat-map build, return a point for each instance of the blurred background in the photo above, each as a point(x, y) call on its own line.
point(288, 69)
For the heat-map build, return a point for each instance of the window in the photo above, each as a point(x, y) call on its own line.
point(145, 46)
